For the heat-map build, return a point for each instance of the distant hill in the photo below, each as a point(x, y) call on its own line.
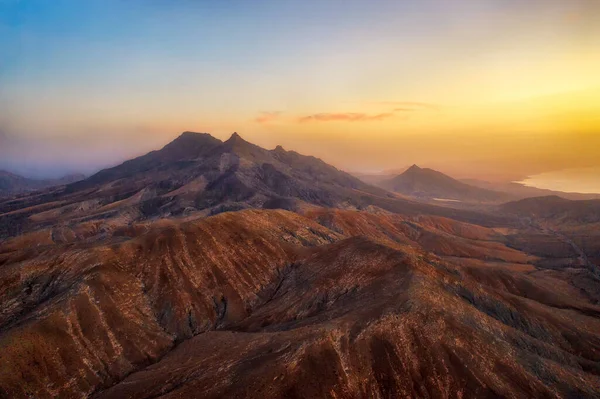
point(11, 183)
point(376, 178)
point(424, 183)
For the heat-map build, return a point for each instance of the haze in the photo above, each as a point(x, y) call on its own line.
point(497, 90)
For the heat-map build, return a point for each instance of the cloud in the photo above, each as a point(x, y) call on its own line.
point(267, 117)
point(402, 110)
point(345, 117)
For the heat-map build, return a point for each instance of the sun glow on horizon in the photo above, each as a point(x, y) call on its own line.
point(501, 91)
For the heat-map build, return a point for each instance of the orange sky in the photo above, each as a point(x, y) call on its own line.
point(487, 89)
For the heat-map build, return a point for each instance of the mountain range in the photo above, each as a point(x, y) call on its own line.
point(11, 184)
point(201, 175)
point(212, 269)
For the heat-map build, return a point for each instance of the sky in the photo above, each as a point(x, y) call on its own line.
point(489, 89)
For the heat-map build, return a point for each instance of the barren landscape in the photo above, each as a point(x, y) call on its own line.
point(215, 269)
point(273, 199)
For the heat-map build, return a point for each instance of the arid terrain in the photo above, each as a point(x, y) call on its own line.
point(211, 269)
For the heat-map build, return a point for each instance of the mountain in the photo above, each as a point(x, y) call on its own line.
point(197, 174)
point(211, 269)
point(428, 184)
point(11, 184)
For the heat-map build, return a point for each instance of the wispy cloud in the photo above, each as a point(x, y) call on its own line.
point(345, 117)
point(401, 110)
point(267, 117)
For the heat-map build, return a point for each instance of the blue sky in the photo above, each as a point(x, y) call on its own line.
point(115, 78)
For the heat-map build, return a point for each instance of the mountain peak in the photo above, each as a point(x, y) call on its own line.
point(187, 138)
point(279, 149)
point(190, 133)
point(235, 136)
point(187, 145)
point(187, 135)
point(236, 141)
point(236, 144)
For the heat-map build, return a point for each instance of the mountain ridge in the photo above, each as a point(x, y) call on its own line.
point(199, 174)
point(12, 183)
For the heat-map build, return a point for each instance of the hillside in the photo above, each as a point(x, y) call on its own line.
point(556, 209)
point(264, 303)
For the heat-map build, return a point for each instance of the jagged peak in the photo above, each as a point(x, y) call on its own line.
point(237, 145)
point(188, 145)
point(236, 141)
point(189, 134)
point(235, 137)
point(191, 137)
point(279, 149)
point(416, 171)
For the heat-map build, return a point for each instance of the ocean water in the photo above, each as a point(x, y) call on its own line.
point(579, 180)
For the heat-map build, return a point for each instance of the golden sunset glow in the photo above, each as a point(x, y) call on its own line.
point(486, 91)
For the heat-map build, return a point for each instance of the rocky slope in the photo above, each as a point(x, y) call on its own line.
point(78, 317)
point(560, 229)
point(270, 303)
point(355, 319)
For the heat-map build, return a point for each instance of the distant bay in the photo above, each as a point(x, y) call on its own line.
point(576, 180)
